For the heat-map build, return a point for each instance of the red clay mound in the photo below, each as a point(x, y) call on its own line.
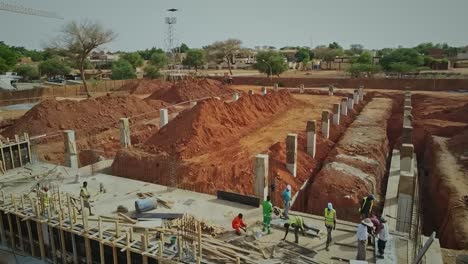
point(213, 123)
point(191, 89)
point(89, 116)
point(145, 86)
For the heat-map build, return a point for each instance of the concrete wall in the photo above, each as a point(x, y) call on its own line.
point(32, 95)
point(374, 83)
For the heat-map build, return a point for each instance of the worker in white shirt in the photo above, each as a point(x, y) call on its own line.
point(383, 236)
point(362, 236)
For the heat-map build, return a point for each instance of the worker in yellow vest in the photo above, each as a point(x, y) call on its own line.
point(45, 200)
point(84, 194)
point(366, 206)
point(330, 222)
point(297, 222)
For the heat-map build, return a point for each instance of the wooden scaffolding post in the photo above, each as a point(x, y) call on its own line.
point(144, 248)
point(62, 237)
point(12, 232)
point(179, 247)
point(30, 237)
point(129, 253)
point(20, 232)
point(114, 255)
point(51, 235)
point(70, 211)
point(117, 229)
point(199, 240)
point(2, 230)
point(39, 231)
point(101, 245)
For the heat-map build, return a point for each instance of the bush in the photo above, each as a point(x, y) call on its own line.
point(152, 72)
point(28, 72)
point(53, 67)
point(122, 70)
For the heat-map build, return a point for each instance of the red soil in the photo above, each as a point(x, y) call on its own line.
point(145, 86)
point(192, 89)
point(86, 117)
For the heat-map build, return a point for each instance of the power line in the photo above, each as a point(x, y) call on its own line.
point(28, 11)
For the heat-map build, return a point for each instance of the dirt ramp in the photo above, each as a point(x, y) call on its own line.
point(89, 116)
point(191, 89)
point(214, 123)
point(356, 166)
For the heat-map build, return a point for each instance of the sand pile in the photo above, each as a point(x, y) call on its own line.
point(85, 116)
point(214, 123)
point(145, 86)
point(191, 89)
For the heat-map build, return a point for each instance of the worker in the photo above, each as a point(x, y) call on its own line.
point(330, 222)
point(383, 236)
point(366, 206)
point(286, 201)
point(362, 235)
point(45, 200)
point(297, 222)
point(84, 194)
point(375, 230)
point(267, 211)
point(238, 224)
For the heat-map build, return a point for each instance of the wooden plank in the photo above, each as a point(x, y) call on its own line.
point(114, 255)
point(89, 258)
point(39, 232)
point(129, 255)
point(12, 232)
point(2, 231)
point(144, 248)
point(20, 232)
point(30, 237)
point(62, 238)
point(75, 252)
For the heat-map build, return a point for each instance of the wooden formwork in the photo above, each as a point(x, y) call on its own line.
point(15, 153)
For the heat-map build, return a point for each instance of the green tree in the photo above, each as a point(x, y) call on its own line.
point(9, 57)
point(183, 48)
point(53, 67)
point(152, 72)
point(334, 45)
point(402, 67)
point(303, 56)
point(28, 72)
point(271, 61)
point(134, 58)
point(364, 58)
point(195, 58)
point(403, 57)
point(3, 66)
point(224, 51)
point(122, 70)
point(159, 60)
point(358, 69)
point(147, 53)
point(327, 54)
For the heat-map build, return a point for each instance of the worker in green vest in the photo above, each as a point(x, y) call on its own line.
point(267, 211)
point(330, 222)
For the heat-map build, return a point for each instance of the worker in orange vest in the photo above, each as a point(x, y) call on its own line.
point(238, 224)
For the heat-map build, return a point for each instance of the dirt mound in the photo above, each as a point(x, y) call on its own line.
point(213, 123)
point(146, 86)
point(85, 116)
point(191, 89)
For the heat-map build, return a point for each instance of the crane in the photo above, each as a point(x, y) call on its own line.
point(27, 11)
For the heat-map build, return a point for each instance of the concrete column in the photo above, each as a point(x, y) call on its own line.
point(235, 97)
point(350, 103)
point(356, 96)
point(406, 158)
point(326, 124)
point(124, 133)
point(336, 114)
point(251, 92)
point(291, 153)
point(407, 135)
point(301, 89)
point(261, 176)
point(264, 90)
point(407, 110)
point(311, 137)
point(344, 106)
point(407, 102)
point(361, 93)
point(408, 94)
point(331, 89)
point(163, 117)
point(407, 120)
point(275, 86)
point(71, 153)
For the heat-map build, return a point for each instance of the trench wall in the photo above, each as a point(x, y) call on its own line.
point(374, 83)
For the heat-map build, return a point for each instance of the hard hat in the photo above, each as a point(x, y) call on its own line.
point(288, 187)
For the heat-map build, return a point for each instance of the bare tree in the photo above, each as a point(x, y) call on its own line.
point(78, 39)
point(224, 51)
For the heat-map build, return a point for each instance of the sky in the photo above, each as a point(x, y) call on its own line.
point(139, 24)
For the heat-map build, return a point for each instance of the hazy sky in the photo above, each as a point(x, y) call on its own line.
point(140, 23)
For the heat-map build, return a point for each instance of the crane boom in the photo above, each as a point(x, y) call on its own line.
point(27, 11)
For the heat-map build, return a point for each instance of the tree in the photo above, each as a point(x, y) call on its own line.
point(9, 57)
point(183, 48)
point(357, 69)
point(159, 60)
point(334, 45)
point(28, 72)
point(122, 70)
point(195, 58)
point(134, 58)
point(303, 56)
point(80, 39)
point(224, 51)
point(147, 53)
point(327, 54)
point(152, 72)
point(356, 49)
point(271, 61)
point(403, 57)
point(364, 58)
point(402, 67)
point(3, 66)
point(53, 67)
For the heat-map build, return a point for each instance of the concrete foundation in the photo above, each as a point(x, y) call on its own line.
point(264, 90)
point(407, 120)
point(163, 117)
point(406, 158)
point(356, 96)
point(251, 92)
point(291, 153)
point(261, 176)
point(344, 106)
point(235, 97)
point(336, 114)
point(125, 140)
point(407, 110)
point(361, 93)
point(407, 135)
point(350, 103)
point(275, 86)
point(331, 89)
point(326, 124)
point(301, 89)
point(407, 102)
point(311, 137)
point(71, 153)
